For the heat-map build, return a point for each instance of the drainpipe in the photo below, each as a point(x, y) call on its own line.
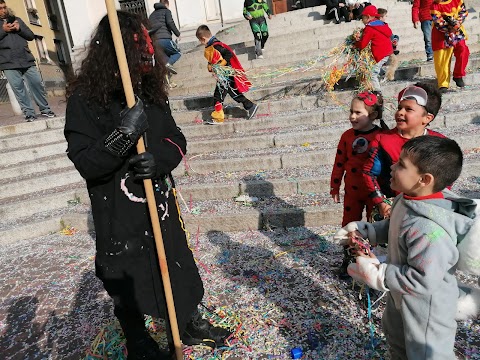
point(66, 30)
point(178, 16)
point(221, 13)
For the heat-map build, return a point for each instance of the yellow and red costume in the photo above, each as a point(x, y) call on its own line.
point(448, 38)
point(218, 53)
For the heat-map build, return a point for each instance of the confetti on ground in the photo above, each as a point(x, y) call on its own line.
point(277, 289)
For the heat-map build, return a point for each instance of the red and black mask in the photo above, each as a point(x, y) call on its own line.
point(147, 51)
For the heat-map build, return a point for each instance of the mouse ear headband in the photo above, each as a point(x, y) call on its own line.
point(368, 98)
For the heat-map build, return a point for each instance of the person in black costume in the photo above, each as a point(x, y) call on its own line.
point(337, 9)
point(101, 133)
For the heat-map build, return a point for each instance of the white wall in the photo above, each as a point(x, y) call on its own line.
point(83, 18)
point(232, 9)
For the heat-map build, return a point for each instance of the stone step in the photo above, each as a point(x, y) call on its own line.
point(277, 158)
point(285, 75)
point(285, 147)
point(29, 207)
point(31, 127)
point(33, 153)
point(42, 166)
point(293, 22)
point(294, 96)
point(310, 38)
point(244, 217)
point(272, 210)
point(11, 190)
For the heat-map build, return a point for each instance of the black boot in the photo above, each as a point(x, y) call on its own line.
point(347, 260)
point(200, 331)
point(140, 345)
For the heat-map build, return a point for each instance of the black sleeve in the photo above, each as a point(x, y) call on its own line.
point(86, 142)
point(164, 139)
point(171, 24)
point(227, 55)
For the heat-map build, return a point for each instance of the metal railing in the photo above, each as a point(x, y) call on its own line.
point(135, 7)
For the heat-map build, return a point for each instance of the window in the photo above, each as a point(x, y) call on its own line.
point(52, 16)
point(32, 12)
point(42, 49)
point(60, 51)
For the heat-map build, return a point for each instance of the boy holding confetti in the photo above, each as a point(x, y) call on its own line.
point(426, 224)
point(378, 34)
point(229, 73)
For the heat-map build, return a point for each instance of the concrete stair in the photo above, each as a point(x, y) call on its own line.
point(283, 156)
point(303, 36)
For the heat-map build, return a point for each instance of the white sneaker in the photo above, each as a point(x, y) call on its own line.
point(259, 56)
point(246, 198)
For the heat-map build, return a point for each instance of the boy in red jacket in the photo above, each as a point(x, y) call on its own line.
point(379, 34)
point(448, 38)
point(421, 17)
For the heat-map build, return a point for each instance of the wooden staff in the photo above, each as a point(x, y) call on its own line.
point(147, 183)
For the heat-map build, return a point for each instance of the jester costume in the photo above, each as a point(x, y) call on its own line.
point(218, 53)
point(448, 38)
point(256, 9)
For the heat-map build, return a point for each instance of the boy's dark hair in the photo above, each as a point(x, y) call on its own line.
point(434, 101)
point(203, 32)
point(441, 157)
point(381, 11)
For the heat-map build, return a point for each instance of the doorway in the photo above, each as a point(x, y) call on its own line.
point(212, 10)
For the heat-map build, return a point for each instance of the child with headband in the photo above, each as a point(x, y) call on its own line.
point(417, 106)
point(352, 152)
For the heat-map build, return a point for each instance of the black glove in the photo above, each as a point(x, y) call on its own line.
point(132, 125)
point(143, 166)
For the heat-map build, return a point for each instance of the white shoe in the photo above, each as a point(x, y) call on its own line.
point(259, 56)
point(246, 198)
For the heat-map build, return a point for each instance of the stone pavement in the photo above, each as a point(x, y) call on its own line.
point(52, 306)
point(8, 117)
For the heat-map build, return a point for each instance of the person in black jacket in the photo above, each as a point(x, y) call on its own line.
point(336, 9)
point(162, 27)
point(101, 133)
point(18, 64)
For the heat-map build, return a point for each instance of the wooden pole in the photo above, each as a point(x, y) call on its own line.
point(152, 206)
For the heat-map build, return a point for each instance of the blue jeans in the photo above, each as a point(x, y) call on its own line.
point(376, 73)
point(16, 78)
point(170, 49)
point(427, 37)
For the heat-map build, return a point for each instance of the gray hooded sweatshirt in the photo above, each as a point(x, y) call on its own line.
point(422, 235)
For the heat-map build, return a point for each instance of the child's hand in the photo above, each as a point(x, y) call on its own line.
point(336, 198)
point(270, 17)
point(384, 210)
point(248, 17)
point(416, 24)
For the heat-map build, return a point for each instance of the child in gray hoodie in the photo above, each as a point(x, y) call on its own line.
point(425, 226)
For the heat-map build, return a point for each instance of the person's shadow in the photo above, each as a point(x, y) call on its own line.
point(298, 303)
point(22, 336)
point(276, 216)
point(73, 333)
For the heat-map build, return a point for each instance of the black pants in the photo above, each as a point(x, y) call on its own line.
point(220, 94)
point(260, 33)
point(337, 13)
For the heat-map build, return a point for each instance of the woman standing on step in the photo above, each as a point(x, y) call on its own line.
point(101, 133)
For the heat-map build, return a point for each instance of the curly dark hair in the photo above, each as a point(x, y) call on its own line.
point(98, 77)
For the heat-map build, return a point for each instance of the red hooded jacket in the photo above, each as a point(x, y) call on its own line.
point(379, 34)
point(421, 10)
